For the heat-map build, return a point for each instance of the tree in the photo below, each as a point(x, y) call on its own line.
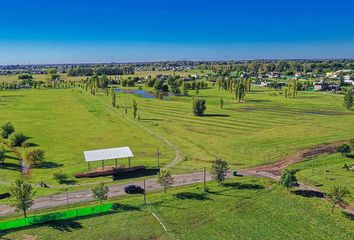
point(336, 195)
point(288, 179)
point(348, 100)
point(22, 195)
point(199, 107)
point(16, 139)
point(165, 179)
point(135, 108)
point(100, 192)
point(344, 149)
point(221, 103)
point(219, 170)
point(6, 130)
point(35, 156)
point(60, 177)
point(114, 100)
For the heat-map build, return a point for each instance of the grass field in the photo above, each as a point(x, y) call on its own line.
point(264, 129)
point(64, 123)
point(328, 171)
point(245, 208)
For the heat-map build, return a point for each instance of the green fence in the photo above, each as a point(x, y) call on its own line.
point(55, 216)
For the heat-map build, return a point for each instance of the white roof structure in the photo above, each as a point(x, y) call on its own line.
point(107, 154)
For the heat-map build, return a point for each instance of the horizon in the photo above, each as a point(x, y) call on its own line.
point(117, 31)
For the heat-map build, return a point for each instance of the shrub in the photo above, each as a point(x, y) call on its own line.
point(60, 177)
point(6, 130)
point(288, 179)
point(219, 170)
point(16, 139)
point(344, 149)
point(2, 155)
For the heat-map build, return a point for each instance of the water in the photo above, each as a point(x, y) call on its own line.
point(143, 93)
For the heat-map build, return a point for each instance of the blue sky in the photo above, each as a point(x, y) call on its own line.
point(38, 31)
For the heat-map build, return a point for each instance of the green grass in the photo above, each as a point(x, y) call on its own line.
point(64, 123)
point(328, 171)
point(37, 77)
point(264, 129)
point(245, 208)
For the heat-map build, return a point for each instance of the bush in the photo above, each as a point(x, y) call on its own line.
point(35, 156)
point(6, 130)
point(17, 139)
point(234, 173)
point(2, 155)
point(344, 149)
point(60, 177)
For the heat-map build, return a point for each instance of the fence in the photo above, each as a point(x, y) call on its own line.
point(55, 216)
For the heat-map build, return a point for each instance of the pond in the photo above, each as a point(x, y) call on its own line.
point(143, 93)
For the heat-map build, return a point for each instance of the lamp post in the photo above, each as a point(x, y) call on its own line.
point(67, 197)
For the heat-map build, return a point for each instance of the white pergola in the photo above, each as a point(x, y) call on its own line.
point(107, 154)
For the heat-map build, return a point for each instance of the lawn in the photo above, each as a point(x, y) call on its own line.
point(327, 171)
point(244, 208)
point(64, 123)
point(264, 129)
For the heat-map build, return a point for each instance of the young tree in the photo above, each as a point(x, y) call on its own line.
point(22, 196)
point(16, 139)
point(114, 100)
point(288, 179)
point(348, 100)
point(344, 149)
point(6, 130)
point(336, 195)
point(221, 103)
point(100, 192)
point(165, 179)
point(35, 156)
point(199, 107)
point(135, 108)
point(219, 170)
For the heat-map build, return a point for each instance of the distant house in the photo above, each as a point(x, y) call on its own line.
point(323, 86)
point(274, 75)
point(349, 80)
point(299, 74)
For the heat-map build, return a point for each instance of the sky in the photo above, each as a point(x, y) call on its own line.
point(78, 31)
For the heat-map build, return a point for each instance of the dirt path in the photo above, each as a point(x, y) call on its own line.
point(299, 156)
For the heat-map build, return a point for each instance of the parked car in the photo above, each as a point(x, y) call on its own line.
point(134, 189)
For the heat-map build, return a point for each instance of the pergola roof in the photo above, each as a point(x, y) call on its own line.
point(108, 154)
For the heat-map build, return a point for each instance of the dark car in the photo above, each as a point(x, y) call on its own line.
point(134, 189)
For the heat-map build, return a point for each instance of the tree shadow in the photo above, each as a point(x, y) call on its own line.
point(30, 144)
point(68, 181)
point(192, 196)
point(309, 193)
point(350, 216)
point(13, 158)
point(47, 165)
point(214, 115)
point(65, 225)
point(10, 166)
point(4, 195)
point(243, 186)
point(150, 119)
point(119, 207)
point(350, 156)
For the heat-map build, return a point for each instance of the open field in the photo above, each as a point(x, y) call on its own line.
point(244, 208)
point(64, 123)
point(264, 129)
point(328, 171)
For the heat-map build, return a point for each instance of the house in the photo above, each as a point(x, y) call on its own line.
point(299, 74)
point(323, 86)
point(349, 80)
point(274, 75)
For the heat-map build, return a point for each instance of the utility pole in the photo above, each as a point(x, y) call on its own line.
point(204, 179)
point(144, 192)
point(313, 162)
point(67, 197)
point(158, 158)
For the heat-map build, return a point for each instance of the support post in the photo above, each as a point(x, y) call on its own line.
point(116, 163)
point(89, 167)
point(129, 161)
point(102, 164)
point(158, 158)
point(67, 197)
